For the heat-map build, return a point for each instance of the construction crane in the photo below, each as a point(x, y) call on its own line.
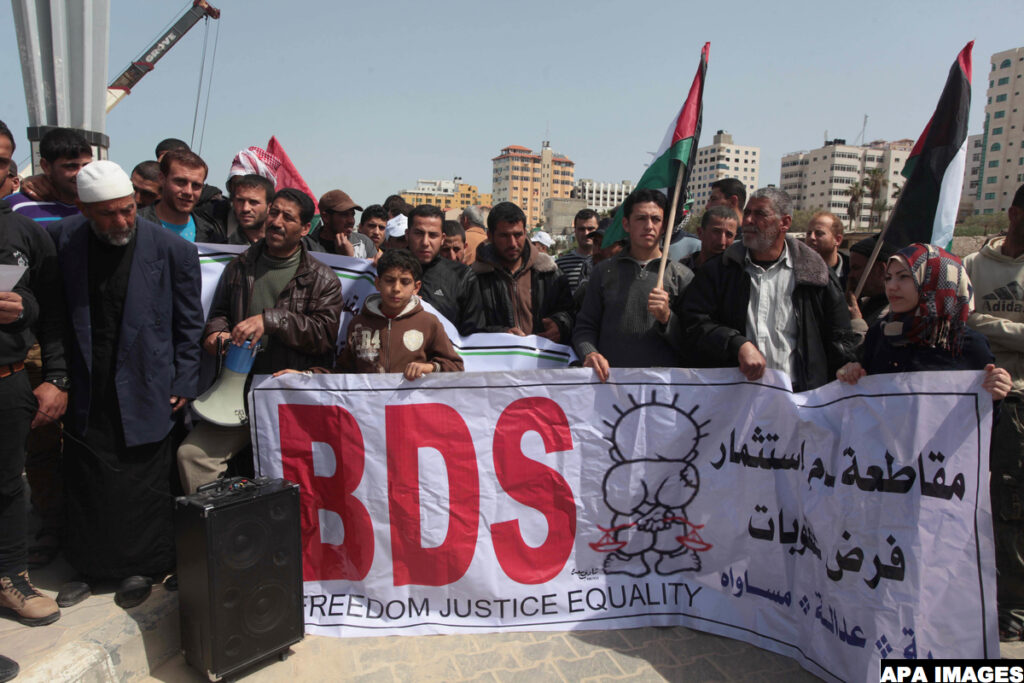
point(123, 84)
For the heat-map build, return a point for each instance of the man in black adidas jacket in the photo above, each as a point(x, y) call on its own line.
point(450, 287)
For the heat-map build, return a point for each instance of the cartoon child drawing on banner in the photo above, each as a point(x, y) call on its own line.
point(648, 495)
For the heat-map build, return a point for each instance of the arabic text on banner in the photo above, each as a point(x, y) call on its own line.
point(838, 527)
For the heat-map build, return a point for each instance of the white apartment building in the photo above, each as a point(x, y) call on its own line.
point(602, 196)
point(1002, 152)
point(820, 179)
point(434, 186)
point(722, 159)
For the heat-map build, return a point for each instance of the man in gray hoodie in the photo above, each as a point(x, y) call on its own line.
point(625, 320)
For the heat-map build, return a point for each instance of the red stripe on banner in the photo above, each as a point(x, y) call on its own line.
point(689, 117)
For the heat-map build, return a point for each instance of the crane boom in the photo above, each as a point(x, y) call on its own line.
point(123, 84)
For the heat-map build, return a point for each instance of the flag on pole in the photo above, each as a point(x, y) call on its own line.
point(287, 174)
point(679, 146)
point(928, 203)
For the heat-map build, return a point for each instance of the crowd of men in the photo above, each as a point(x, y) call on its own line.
point(102, 338)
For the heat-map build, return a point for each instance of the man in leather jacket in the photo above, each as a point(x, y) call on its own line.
point(277, 294)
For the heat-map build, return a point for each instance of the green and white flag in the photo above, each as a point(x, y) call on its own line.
point(679, 146)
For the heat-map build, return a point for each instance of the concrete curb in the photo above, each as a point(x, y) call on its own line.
point(97, 641)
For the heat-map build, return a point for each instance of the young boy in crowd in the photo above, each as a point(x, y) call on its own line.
point(393, 333)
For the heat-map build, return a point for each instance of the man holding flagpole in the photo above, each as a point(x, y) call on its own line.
point(627, 318)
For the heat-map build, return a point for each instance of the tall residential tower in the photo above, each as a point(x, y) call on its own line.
point(1002, 152)
point(527, 179)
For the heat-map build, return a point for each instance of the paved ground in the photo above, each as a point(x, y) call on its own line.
point(646, 654)
point(98, 641)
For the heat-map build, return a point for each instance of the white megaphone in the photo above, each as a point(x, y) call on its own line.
point(224, 403)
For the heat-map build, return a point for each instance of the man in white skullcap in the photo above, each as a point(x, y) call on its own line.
point(542, 241)
point(394, 233)
point(132, 291)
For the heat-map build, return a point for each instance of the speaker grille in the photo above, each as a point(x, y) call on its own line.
point(244, 542)
point(240, 575)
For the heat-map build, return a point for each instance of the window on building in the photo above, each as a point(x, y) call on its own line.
point(991, 180)
point(1004, 81)
point(995, 147)
point(1005, 64)
point(1001, 98)
point(990, 195)
point(993, 164)
point(997, 131)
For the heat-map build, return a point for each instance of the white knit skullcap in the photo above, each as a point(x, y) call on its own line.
point(102, 181)
point(396, 227)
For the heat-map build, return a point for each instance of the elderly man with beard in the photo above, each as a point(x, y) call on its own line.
point(769, 302)
point(132, 291)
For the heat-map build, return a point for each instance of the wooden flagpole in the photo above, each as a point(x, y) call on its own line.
point(871, 262)
point(669, 225)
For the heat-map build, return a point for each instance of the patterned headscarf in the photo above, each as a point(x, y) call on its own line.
point(946, 298)
point(255, 160)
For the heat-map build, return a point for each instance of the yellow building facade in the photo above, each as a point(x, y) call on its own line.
point(445, 194)
point(527, 179)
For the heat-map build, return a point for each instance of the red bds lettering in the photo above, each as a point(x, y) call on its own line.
point(535, 485)
point(430, 425)
point(301, 425)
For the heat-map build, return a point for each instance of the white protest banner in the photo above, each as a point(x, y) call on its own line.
point(838, 526)
point(485, 351)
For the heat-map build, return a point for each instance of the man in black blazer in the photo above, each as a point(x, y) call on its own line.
point(132, 291)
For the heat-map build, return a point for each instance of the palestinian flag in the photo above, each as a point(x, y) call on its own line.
point(926, 209)
point(289, 176)
point(678, 147)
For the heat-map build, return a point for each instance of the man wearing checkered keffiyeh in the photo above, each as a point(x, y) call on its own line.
point(254, 161)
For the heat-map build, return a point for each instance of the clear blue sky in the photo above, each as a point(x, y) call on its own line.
point(370, 96)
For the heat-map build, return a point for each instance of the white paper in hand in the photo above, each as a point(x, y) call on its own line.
point(9, 276)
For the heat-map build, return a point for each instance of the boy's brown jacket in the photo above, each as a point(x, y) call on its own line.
point(376, 343)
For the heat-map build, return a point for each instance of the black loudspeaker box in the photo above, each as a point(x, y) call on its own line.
point(239, 573)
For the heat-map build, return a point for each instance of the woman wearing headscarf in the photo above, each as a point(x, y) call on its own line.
point(930, 297)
